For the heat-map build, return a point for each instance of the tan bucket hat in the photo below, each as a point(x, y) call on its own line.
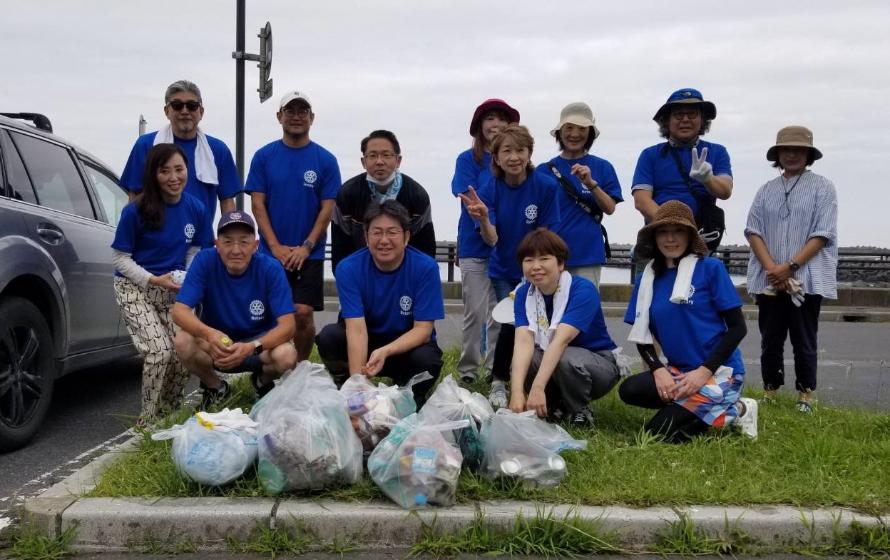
point(579, 114)
point(795, 136)
point(672, 212)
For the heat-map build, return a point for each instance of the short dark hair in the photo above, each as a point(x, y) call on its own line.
point(386, 135)
point(665, 117)
point(811, 158)
point(591, 137)
point(542, 241)
point(389, 208)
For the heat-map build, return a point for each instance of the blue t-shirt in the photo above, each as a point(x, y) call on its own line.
point(161, 250)
point(227, 173)
point(688, 332)
point(295, 181)
point(390, 302)
point(469, 173)
point(657, 168)
point(583, 311)
point(244, 306)
point(580, 232)
point(515, 211)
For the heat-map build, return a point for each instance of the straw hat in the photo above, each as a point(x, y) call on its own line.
point(672, 212)
point(793, 136)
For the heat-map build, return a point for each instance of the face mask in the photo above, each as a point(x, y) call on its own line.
point(384, 182)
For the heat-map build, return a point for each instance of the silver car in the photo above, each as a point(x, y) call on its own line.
point(58, 210)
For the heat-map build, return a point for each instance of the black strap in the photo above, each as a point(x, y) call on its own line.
point(702, 201)
point(596, 214)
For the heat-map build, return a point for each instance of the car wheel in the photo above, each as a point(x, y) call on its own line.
point(27, 371)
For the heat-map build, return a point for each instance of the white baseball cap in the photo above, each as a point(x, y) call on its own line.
point(292, 96)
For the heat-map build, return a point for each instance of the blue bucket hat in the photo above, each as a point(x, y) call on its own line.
point(687, 96)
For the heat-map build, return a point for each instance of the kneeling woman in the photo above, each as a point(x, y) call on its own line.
point(687, 303)
point(158, 233)
point(562, 355)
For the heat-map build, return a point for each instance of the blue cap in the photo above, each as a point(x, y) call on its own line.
point(687, 96)
point(235, 217)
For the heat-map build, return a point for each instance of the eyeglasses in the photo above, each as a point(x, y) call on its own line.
point(390, 233)
point(301, 112)
point(690, 114)
point(177, 105)
point(373, 156)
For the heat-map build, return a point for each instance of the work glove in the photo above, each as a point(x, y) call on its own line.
point(701, 170)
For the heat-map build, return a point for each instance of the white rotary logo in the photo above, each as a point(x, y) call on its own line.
point(257, 308)
point(531, 212)
point(405, 303)
point(189, 231)
point(310, 176)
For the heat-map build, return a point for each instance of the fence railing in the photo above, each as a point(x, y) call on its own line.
point(850, 260)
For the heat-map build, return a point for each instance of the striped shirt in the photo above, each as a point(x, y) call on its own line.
point(788, 213)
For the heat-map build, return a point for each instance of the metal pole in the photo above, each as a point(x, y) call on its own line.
point(239, 97)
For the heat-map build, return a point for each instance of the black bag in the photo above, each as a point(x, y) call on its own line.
point(594, 211)
point(710, 218)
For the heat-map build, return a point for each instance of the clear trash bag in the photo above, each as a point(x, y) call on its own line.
point(418, 464)
point(452, 402)
point(305, 438)
point(524, 446)
point(375, 409)
point(213, 448)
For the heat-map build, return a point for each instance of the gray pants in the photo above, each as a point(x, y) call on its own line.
point(581, 376)
point(591, 272)
point(479, 332)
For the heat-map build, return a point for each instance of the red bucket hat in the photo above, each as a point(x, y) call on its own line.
point(489, 105)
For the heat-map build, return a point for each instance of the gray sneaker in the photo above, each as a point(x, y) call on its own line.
point(214, 397)
point(498, 395)
point(582, 419)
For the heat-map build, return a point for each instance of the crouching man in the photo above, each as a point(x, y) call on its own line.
point(390, 297)
point(247, 317)
point(562, 355)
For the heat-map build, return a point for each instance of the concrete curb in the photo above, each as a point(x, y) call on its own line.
point(114, 524)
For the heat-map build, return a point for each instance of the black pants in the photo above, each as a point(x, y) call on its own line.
point(778, 318)
point(331, 342)
point(672, 421)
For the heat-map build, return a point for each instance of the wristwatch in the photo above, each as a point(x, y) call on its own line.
point(793, 265)
point(257, 347)
point(309, 244)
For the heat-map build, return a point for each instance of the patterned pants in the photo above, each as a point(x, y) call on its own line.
point(146, 312)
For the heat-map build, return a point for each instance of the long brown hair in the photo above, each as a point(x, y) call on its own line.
point(150, 202)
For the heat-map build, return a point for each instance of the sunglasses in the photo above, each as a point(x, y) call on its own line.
point(177, 105)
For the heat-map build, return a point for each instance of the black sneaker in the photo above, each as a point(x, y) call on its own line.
point(582, 419)
point(214, 397)
point(259, 388)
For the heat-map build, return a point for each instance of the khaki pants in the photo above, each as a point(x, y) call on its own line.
point(479, 331)
point(146, 312)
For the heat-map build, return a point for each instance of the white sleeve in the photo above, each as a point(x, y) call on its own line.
point(124, 263)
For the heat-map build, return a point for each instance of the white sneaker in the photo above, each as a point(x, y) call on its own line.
point(498, 395)
point(747, 422)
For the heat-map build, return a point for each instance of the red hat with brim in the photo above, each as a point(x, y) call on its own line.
point(486, 107)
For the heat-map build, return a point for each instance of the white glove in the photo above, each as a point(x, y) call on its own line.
point(795, 290)
point(701, 170)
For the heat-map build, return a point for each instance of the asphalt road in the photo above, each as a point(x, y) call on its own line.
point(92, 409)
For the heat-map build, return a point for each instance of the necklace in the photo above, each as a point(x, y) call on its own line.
point(786, 208)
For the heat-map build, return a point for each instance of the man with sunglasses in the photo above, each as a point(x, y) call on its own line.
point(212, 173)
point(382, 180)
point(685, 167)
point(293, 183)
point(390, 297)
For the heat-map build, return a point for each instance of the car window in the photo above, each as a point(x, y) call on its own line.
point(18, 183)
point(111, 196)
point(54, 175)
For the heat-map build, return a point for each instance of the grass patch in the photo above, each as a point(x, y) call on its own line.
point(273, 542)
point(28, 545)
point(683, 537)
point(542, 535)
point(820, 460)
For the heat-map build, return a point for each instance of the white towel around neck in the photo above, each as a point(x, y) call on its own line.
point(536, 310)
point(205, 164)
point(640, 333)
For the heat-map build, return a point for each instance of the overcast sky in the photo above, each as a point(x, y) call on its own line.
point(419, 68)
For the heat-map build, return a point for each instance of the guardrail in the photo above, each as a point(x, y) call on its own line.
point(852, 262)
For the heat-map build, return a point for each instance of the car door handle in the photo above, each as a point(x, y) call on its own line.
point(50, 234)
